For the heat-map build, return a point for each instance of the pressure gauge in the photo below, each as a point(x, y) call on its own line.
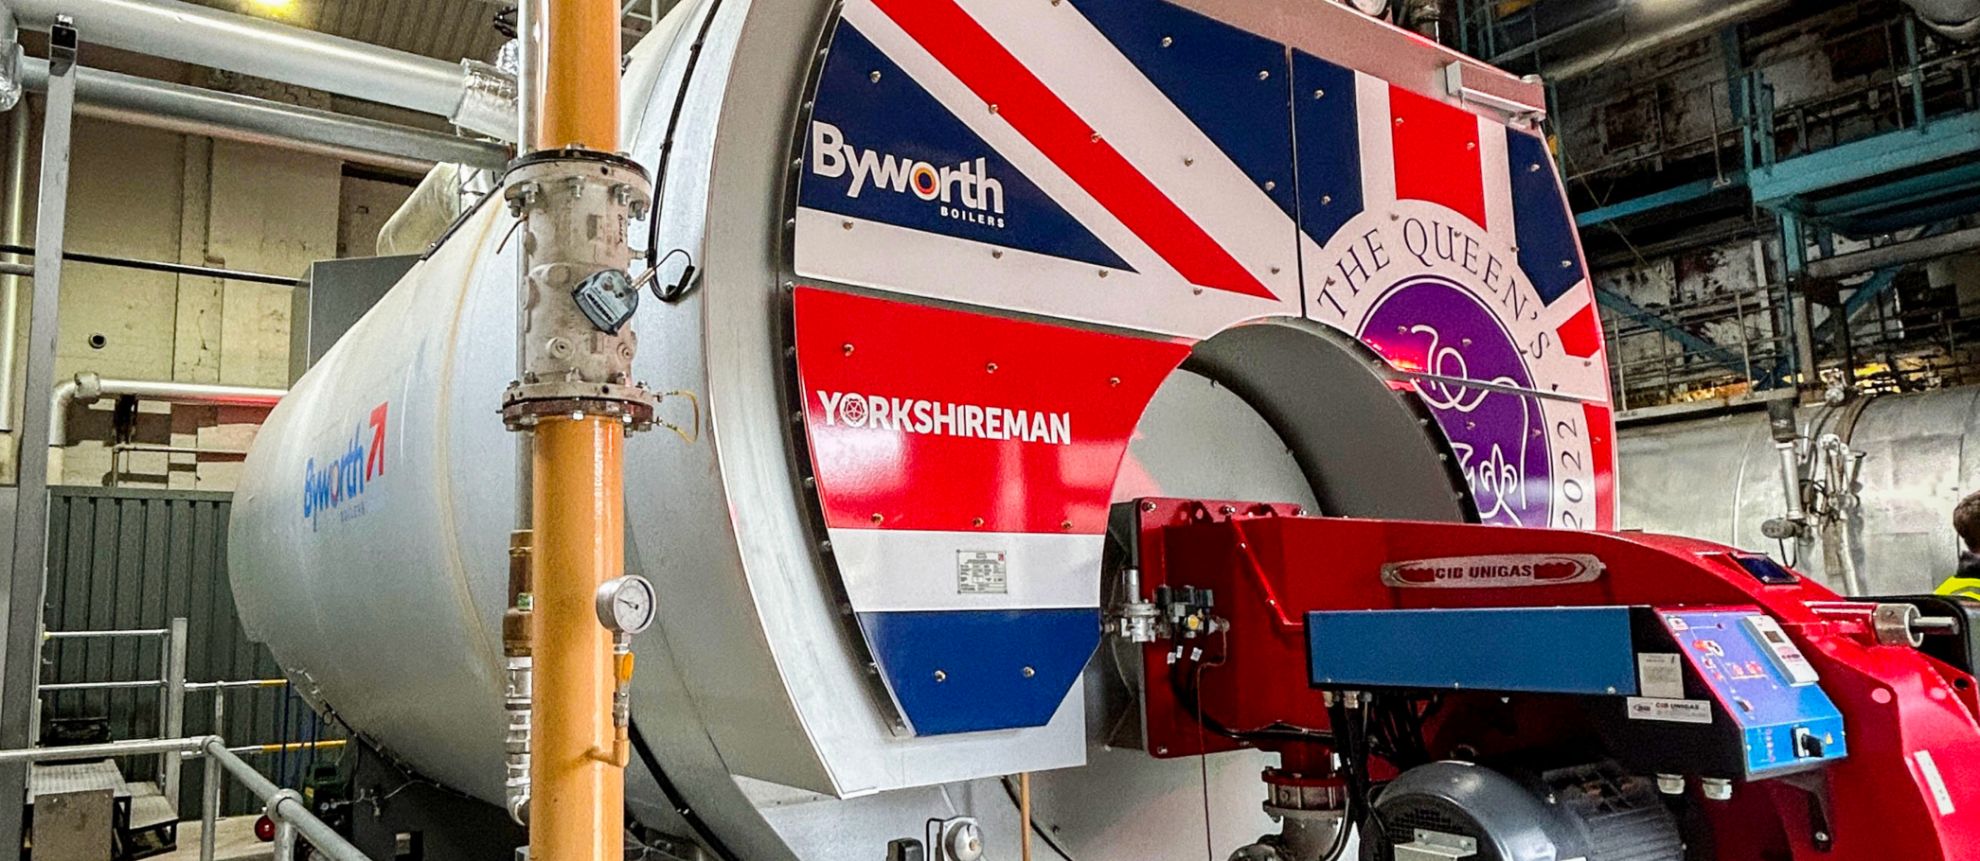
point(626, 604)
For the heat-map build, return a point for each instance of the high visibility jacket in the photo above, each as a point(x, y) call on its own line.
point(1967, 581)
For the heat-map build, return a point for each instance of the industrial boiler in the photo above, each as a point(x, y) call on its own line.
point(1118, 429)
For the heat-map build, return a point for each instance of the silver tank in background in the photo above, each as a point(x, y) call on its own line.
point(1719, 479)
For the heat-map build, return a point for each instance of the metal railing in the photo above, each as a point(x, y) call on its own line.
point(1648, 368)
point(173, 688)
point(284, 807)
point(1903, 338)
point(171, 685)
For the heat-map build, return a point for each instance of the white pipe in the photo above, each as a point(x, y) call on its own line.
point(251, 46)
point(1791, 481)
point(528, 63)
point(13, 230)
point(192, 110)
point(87, 388)
point(1649, 26)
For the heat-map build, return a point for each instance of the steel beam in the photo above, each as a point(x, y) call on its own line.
point(1781, 186)
point(1886, 196)
point(1686, 193)
point(1930, 247)
point(20, 663)
point(1693, 343)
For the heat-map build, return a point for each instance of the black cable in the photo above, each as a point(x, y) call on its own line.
point(667, 143)
point(1191, 695)
point(679, 289)
point(160, 266)
point(702, 832)
point(1351, 726)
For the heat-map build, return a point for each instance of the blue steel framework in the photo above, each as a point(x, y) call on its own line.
point(1916, 169)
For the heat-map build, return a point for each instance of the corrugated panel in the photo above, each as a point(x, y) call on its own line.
point(131, 558)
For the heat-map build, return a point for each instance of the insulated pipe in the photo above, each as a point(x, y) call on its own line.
point(265, 49)
point(1791, 481)
point(13, 231)
point(529, 69)
point(192, 110)
point(1649, 26)
point(88, 387)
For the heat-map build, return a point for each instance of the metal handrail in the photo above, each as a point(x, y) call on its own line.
point(131, 632)
point(48, 687)
point(242, 683)
point(284, 807)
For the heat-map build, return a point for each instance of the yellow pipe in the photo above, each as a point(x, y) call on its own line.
point(281, 747)
point(1024, 813)
point(577, 797)
point(580, 52)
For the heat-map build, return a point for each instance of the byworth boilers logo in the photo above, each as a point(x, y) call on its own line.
point(337, 482)
point(964, 191)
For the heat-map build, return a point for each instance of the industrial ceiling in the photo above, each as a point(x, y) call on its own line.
point(443, 29)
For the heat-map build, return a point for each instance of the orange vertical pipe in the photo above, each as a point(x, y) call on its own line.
point(577, 794)
point(580, 53)
point(577, 789)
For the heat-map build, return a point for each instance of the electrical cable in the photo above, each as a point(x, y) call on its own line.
point(1351, 727)
point(1202, 753)
point(1186, 692)
point(702, 832)
point(667, 143)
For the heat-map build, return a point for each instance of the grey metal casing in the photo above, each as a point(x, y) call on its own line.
point(333, 296)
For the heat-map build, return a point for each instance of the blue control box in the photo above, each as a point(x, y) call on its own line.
point(1557, 650)
point(1759, 680)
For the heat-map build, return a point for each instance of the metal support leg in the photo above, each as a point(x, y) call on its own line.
point(209, 809)
point(285, 841)
point(173, 712)
point(20, 662)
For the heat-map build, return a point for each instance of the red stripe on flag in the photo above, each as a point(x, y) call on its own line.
point(1602, 450)
point(1437, 154)
point(975, 57)
point(1581, 335)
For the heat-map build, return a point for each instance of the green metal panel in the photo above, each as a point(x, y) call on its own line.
point(122, 558)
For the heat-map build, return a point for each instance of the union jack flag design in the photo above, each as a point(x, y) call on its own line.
point(1148, 167)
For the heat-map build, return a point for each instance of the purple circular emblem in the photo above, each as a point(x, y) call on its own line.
point(1432, 326)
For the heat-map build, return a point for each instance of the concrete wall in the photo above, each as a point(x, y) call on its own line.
point(146, 194)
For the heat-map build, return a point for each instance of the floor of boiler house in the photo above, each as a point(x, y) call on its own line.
point(234, 840)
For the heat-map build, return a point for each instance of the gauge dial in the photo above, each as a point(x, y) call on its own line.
point(627, 604)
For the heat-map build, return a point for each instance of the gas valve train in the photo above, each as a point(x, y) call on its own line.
point(1192, 404)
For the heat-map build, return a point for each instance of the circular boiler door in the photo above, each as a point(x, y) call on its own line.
point(1277, 411)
